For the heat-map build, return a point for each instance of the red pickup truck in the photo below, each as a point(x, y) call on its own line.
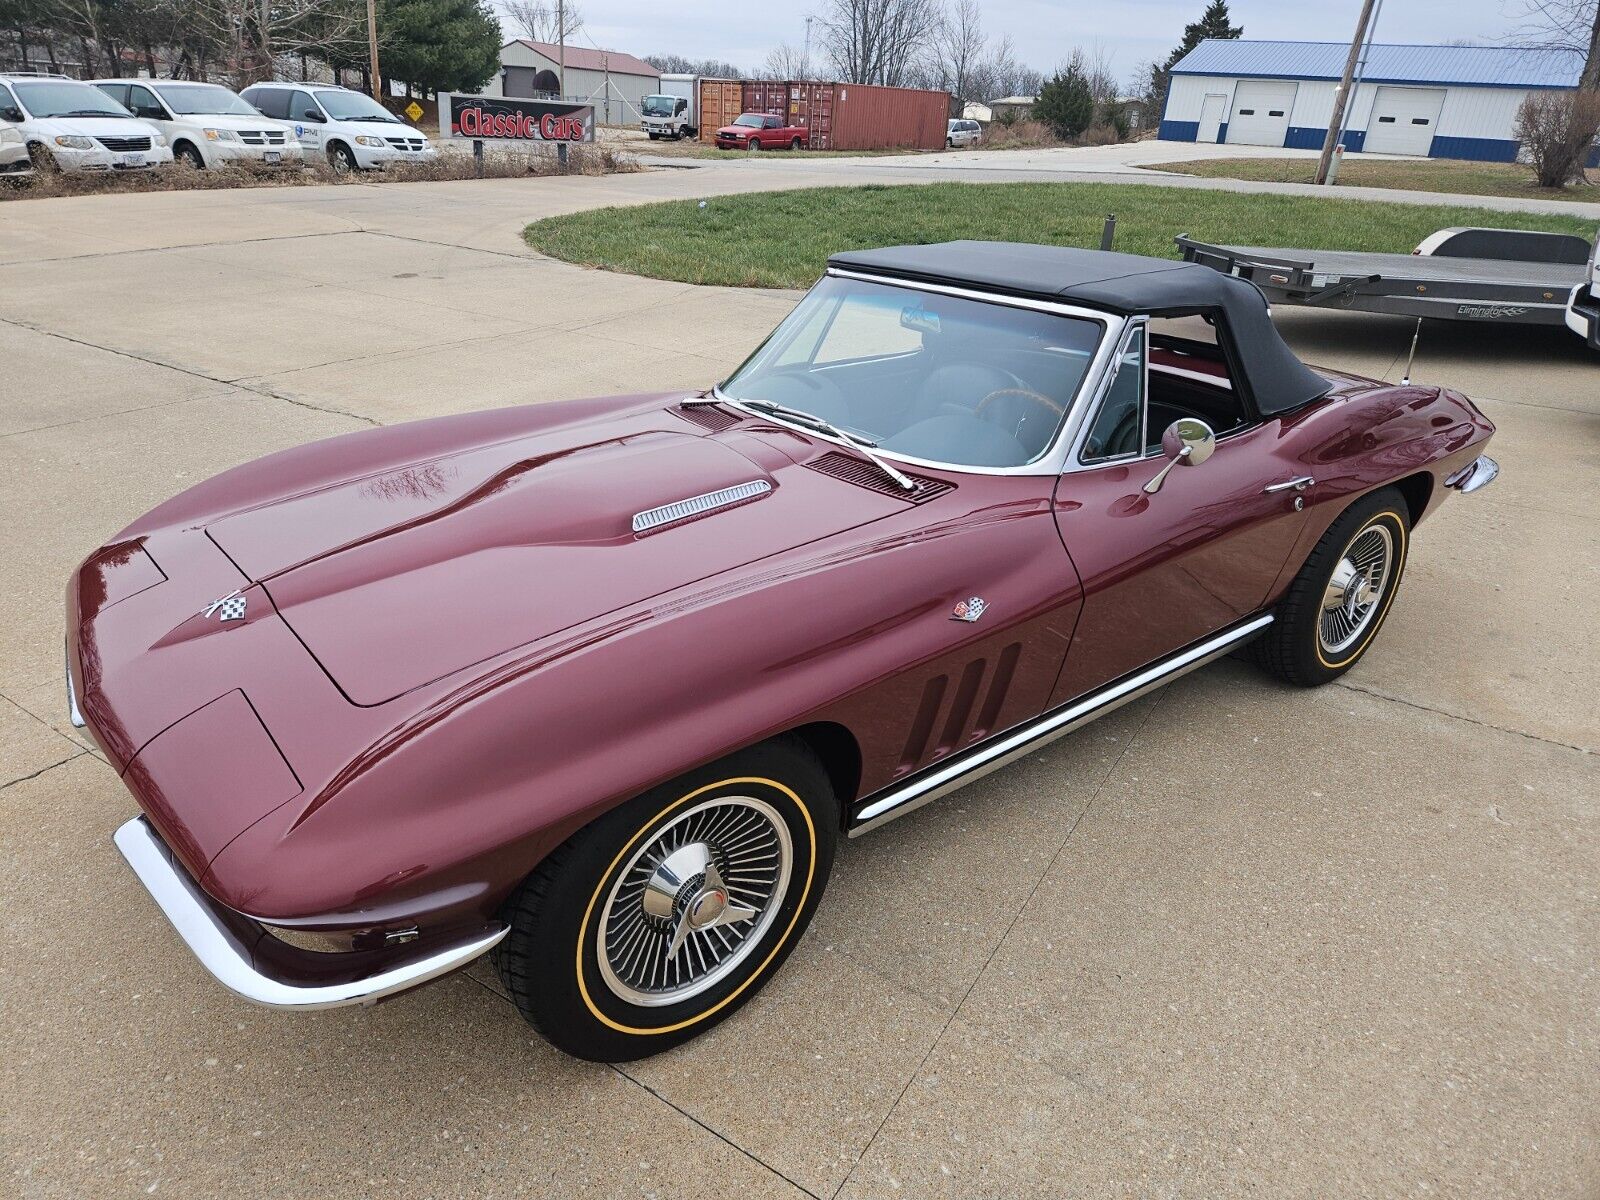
point(761, 131)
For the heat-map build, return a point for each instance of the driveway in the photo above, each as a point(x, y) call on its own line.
point(1236, 939)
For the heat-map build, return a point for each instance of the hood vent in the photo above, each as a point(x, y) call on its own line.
point(860, 472)
point(678, 511)
point(708, 417)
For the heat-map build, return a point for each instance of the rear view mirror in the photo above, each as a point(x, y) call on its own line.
point(10, 113)
point(919, 319)
point(312, 114)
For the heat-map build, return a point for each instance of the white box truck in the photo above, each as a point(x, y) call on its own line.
point(674, 111)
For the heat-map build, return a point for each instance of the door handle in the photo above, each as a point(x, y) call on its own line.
point(1298, 484)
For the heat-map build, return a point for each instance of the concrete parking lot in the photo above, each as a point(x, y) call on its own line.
point(1236, 939)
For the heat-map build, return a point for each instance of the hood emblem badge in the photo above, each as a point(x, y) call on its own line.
point(227, 608)
point(969, 609)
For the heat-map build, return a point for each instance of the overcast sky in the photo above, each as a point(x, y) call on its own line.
point(1044, 31)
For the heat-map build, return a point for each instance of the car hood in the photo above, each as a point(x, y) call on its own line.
point(398, 579)
point(735, 130)
point(228, 121)
point(96, 127)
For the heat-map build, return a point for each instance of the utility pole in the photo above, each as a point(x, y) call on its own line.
point(1342, 96)
point(561, 46)
point(372, 48)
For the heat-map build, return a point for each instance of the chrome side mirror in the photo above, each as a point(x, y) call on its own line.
point(1189, 441)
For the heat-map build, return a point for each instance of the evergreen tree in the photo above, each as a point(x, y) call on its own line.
point(1213, 23)
point(439, 45)
point(1066, 103)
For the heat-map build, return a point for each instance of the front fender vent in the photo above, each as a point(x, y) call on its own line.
point(652, 519)
point(853, 469)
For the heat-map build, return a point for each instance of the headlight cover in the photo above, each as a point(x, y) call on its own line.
point(10, 136)
point(218, 135)
point(72, 141)
point(364, 139)
point(158, 139)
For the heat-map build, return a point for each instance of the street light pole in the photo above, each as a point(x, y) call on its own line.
point(1342, 96)
point(372, 48)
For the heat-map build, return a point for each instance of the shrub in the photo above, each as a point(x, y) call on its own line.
point(1066, 103)
point(1557, 130)
point(1007, 117)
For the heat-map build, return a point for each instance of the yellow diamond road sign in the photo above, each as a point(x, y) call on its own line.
point(414, 111)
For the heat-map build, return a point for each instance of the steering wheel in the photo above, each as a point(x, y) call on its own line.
point(1055, 410)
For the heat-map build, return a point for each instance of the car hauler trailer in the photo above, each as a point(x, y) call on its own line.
point(1506, 276)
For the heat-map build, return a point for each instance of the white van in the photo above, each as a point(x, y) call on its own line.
point(70, 126)
point(207, 125)
point(1583, 308)
point(353, 130)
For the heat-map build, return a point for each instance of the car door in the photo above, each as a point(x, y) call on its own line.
point(1163, 570)
point(308, 119)
point(144, 104)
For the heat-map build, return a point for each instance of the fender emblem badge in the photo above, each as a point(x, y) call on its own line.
point(227, 608)
point(969, 609)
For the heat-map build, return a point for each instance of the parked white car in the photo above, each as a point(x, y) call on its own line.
point(1583, 307)
point(206, 125)
point(14, 162)
point(963, 133)
point(74, 127)
point(351, 128)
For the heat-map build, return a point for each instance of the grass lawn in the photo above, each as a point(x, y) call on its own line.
point(782, 239)
point(1420, 175)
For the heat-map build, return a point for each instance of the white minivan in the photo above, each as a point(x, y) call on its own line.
point(207, 125)
point(351, 128)
point(70, 126)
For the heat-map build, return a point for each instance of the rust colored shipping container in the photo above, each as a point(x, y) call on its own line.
point(766, 96)
point(811, 106)
point(721, 102)
point(865, 117)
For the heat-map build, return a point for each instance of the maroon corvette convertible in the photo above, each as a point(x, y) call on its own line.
point(595, 686)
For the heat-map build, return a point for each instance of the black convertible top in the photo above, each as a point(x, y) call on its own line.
point(1119, 283)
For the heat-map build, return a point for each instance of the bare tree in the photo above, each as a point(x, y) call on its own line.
point(878, 41)
point(542, 22)
point(957, 51)
point(1557, 129)
point(1565, 25)
point(1095, 68)
point(787, 62)
point(250, 35)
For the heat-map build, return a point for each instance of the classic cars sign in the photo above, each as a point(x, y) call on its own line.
point(498, 118)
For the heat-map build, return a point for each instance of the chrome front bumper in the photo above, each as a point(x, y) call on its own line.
point(1480, 472)
point(194, 915)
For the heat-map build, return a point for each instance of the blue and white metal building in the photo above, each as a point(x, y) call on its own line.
point(1428, 101)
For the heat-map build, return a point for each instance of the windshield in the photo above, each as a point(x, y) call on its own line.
point(657, 106)
point(750, 119)
point(941, 378)
point(206, 99)
point(63, 98)
point(353, 106)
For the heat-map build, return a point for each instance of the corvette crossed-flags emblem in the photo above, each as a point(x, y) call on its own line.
point(227, 608)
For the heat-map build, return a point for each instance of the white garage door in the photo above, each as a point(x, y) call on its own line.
point(1260, 114)
point(1403, 120)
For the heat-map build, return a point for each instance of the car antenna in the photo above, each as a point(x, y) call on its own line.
point(1405, 380)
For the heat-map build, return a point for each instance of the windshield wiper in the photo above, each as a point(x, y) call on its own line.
point(796, 416)
point(92, 112)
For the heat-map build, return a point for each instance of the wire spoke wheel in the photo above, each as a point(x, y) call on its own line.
point(694, 901)
point(1356, 589)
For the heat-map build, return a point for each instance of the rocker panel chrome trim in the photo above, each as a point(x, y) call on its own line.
point(944, 778)
point(191, 913)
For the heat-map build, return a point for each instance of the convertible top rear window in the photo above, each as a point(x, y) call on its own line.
point(935, 377)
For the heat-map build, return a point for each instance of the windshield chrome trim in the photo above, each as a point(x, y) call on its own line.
point(1053, 459)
